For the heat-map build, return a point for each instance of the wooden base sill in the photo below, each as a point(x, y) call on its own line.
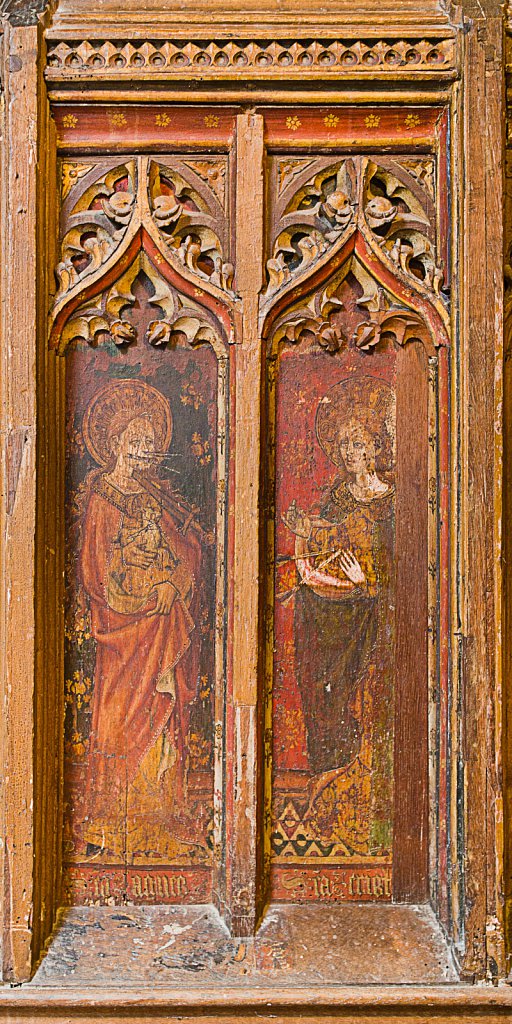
point(380, 1004)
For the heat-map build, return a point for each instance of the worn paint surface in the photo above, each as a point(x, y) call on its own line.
point(334, 662)
point(190, 948)
point(140, 648)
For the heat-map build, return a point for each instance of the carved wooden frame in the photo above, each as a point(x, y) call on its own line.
point(453, 59)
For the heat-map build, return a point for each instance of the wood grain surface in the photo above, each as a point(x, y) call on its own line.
point(410, 869)
point(19, 403)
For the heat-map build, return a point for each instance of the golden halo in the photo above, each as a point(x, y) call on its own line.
point(369, 401)
point(114, 406)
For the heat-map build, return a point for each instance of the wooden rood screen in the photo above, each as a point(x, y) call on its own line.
point(251, 373)
point(254, 319)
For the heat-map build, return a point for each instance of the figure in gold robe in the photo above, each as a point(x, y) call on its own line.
point(344, 631)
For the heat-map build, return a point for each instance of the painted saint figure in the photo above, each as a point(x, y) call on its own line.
point(344, 630)
point(139, 569)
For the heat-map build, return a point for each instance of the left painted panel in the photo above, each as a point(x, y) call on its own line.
point(145, 453)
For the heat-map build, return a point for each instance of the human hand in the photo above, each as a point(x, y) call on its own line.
point(297, 521)
point(165, 595)
point(351, 568)
point(134, 554)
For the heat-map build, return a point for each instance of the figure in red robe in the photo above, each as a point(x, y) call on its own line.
point(140, 570)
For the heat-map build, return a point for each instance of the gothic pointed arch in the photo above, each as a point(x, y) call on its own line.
point(114, 212)
point(383, 213)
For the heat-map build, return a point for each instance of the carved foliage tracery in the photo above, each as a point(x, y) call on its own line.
point(402, 219)
point(352, 310)
point(180, 205)
point(190, 216)
point(310, 217)
point(106, 318)
point(96, 214)
point(319, 205)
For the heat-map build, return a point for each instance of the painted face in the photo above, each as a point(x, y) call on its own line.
point(135, 445)
point(357, 449)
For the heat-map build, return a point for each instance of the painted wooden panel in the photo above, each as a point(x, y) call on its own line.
point(334, 664)
point(146, 450)
point(350, 412)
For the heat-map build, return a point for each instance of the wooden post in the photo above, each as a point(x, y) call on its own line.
point(246, 768)
point(31, 513)
point(18, 354)
point(482, 305)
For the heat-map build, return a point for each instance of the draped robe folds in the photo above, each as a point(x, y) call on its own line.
point(147, 666)
point(344, 641)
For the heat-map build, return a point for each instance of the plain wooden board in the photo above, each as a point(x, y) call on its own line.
point(306, 946)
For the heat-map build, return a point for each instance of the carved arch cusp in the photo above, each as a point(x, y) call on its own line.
point(393, 309)
point(386, 215)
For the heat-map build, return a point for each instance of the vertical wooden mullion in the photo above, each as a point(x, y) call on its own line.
point(410, 843)
point(49, 696)
point(244, 759)
point(495, 122)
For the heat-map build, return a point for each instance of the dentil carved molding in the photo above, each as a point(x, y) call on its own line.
point(115, 58)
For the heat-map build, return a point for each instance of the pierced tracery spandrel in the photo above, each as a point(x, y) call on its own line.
point(400, 215)
point(318, 205)
point(180, 205)
point(97, 211)
point(310, 219)
point(186, 210)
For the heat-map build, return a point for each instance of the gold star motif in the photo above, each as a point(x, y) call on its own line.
point(70, 174)
point(69, 121)
point(117, 119)
point(293, 123)
point(162, 120)
point(412, 121)
point(372, 121)
point(331, 121)
point(212, 121)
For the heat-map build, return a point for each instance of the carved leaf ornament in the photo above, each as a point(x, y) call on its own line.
point(310, 222)
point(377, 223)
point(383, 213)
point(175, 315)
point(96, 222)
point(107, 210)
point(189, 220)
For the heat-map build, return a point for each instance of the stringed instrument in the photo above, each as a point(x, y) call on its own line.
point(181, 510)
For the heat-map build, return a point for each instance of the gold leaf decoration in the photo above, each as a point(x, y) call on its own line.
point(70, 174)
